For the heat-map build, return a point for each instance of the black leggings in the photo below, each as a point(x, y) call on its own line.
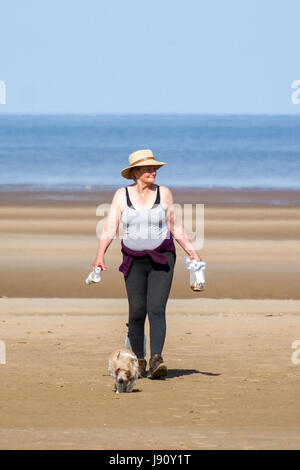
point(148, 286)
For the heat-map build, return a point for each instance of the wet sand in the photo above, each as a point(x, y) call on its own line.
point(251, 251)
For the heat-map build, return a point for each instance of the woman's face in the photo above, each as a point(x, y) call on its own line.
point(146, 174)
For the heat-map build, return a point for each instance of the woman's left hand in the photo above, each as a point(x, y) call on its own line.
point(194, 255)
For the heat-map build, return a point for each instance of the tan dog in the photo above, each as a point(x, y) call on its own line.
point(123, 367)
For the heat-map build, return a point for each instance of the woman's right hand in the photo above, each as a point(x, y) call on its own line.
point(99, 260)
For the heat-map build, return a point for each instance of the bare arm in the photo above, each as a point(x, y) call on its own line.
point(109, 229)
point(177, 229)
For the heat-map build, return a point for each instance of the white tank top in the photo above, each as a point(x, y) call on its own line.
point(144, 229)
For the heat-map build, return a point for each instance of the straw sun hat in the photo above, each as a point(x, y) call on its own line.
point(140, 158)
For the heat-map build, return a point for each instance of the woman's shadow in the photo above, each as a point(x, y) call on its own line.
point(172, 373)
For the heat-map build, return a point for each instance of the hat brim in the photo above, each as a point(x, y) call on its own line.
point(126, 172)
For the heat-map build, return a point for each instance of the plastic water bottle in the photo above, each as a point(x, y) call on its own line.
point(94, 276)
point(197, 277)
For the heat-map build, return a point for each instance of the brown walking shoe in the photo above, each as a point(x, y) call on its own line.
point(157, 368)
point(142, 368)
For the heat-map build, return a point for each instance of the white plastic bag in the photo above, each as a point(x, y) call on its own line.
point(128, 345)
point(197, 277)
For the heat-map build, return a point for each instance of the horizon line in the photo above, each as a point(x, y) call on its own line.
point(8, 113)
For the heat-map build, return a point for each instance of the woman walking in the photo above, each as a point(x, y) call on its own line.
point(149, 255)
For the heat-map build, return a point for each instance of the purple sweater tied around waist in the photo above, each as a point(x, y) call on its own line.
point(157, 255)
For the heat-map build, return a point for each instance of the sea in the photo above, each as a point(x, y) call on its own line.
point(88, 152)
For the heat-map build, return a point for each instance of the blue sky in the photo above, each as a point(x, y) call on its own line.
point(162, 56)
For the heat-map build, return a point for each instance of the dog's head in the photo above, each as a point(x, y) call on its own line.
point(124, 376)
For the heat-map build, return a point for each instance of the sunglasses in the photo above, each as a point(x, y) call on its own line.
point(150, 169)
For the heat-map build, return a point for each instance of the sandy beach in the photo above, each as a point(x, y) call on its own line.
point(231, 383)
